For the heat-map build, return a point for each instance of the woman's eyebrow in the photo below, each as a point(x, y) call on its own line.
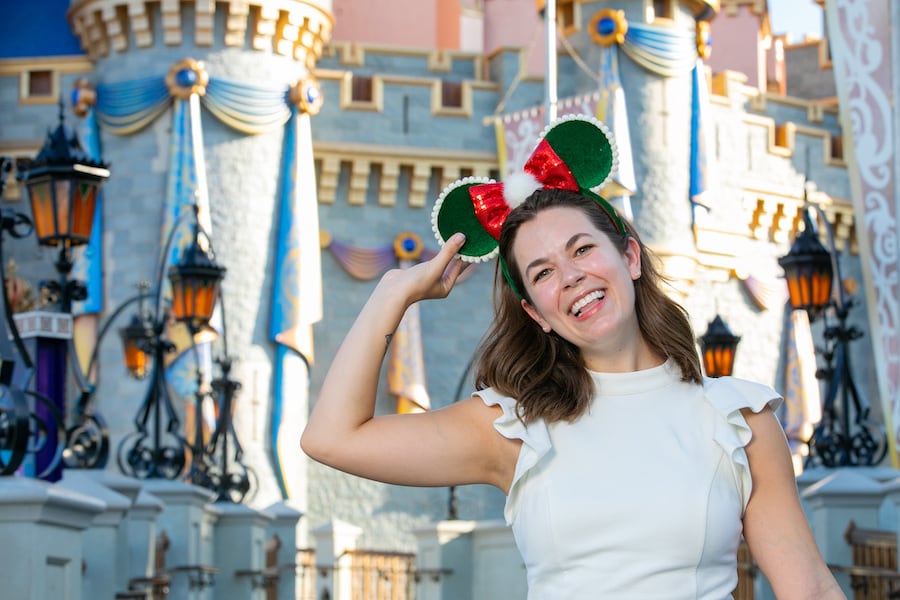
point(540, 260)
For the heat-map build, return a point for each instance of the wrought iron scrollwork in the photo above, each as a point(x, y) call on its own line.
point(15, 429)
point(156, 449)
point(87, 440)
point(845, 436)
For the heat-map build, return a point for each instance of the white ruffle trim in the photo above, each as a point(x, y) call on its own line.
point(728, 395)
point(535, 441)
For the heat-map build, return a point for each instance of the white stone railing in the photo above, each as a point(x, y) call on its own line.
point(97, 534)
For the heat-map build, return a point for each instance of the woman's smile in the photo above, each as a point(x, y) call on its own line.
point(591, 299)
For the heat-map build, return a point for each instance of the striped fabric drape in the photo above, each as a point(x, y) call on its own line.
point(665, 51)
point(127, 107)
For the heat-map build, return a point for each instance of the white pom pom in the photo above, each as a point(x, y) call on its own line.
point(518, 186)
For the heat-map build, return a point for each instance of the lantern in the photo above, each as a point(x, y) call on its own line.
point(808, 269)
point(718, 346)
point(134, 345)
point(63, 183)
point(195, 285)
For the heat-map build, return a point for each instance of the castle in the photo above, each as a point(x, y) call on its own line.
point(316, 135)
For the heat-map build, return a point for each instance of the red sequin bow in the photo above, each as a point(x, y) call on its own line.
point(545, 165)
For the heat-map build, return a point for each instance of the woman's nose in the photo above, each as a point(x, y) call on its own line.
point(571, 273)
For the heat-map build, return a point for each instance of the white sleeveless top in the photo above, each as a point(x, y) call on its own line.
point(640, 499)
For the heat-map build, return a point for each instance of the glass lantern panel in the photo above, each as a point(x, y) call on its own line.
point(42, 208)
point(718, 361)
point(724, 360)
point(189, 299)
point(206, 298)
point(83, 205)
point(821, 288)
point(62, 188)
point(794, 291)
point(178, 301)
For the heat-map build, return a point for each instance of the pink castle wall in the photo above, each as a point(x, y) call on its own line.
point(517, 24)
point(739, 41)
point(471, 25)
point(395, 23)
point(736, 45)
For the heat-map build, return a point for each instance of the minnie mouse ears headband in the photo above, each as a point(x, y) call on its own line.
point(575, 153)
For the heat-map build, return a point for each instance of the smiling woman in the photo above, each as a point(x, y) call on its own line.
point(589, 404)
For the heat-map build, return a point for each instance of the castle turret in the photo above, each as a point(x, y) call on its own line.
point(208, 103)
point(650, 54)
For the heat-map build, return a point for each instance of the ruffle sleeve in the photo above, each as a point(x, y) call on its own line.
point(535, 441)
point(728, 395)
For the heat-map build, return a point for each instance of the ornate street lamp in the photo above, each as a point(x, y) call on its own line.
point(156, 449)
point(844, 436)
point(63, 183)
point(30, 422)
point(195, 292)
point(717, 347)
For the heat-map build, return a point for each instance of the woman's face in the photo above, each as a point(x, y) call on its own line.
point(580, 285)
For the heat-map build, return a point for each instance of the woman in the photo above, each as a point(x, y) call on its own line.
point(627, 474)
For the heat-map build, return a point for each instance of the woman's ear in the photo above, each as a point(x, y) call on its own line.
point(535, 316)
point(633, 258)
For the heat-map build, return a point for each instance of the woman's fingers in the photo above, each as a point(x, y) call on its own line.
point(433, 278)
point(450, 264)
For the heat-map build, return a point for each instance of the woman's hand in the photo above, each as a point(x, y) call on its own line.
point(431, 279)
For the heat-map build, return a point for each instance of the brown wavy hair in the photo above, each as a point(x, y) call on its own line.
point(545, 373)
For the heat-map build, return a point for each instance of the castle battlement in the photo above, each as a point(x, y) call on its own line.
point(414, 60)
point(287, 27)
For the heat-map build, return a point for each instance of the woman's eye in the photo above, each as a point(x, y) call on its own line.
point(583, 249)
point(541, 274)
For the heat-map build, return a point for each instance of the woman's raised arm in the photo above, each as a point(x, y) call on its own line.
point(454, 445)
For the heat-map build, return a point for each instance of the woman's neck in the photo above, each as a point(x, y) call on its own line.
point(637, 357)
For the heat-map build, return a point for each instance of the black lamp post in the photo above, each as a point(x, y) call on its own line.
point(63, 184)
point(29, 421)
point(226, 473)
point(156, 449)
point(717, 347)
point(195, 291)
point(844, 436)
point(216, 465)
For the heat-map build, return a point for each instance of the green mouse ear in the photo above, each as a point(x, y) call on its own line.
point(586, 146)
point(454, 211)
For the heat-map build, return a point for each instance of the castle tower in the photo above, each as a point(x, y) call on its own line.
point(209, 102)
point(652, 53)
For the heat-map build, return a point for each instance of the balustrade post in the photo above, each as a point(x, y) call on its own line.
point(334, 561)
point(845, 495)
